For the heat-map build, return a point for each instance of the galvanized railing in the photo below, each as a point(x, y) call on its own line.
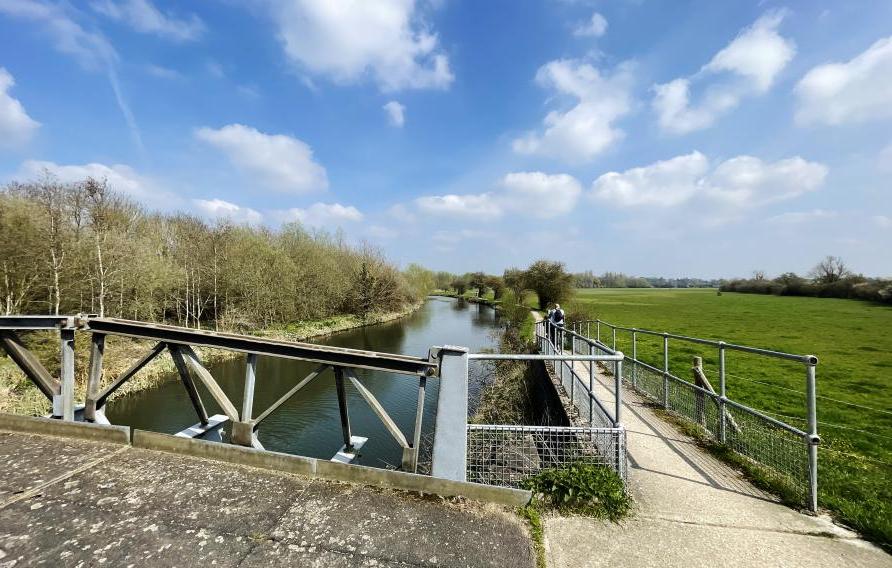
point(506, 454)
point(786, 453)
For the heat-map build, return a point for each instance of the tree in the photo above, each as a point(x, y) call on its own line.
point(831, 269)
point(477, 280)
point(460, 286)
point(758, 275)
point(550, 281)
point(497, 285)
point(515, 280)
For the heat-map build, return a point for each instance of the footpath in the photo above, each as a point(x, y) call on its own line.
point(694, 510)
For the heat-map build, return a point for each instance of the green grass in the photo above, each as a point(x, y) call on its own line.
point(853, 340)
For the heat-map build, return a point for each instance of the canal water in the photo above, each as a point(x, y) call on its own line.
point(309, 423)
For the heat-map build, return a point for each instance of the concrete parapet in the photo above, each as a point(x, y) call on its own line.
point(55, 427)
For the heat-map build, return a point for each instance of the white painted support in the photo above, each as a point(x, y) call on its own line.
point(67, 379)
point(343, 456)
point(250, 378)
point(378, 409)
point(450, 454)
point(200, 430)
point(205, 377)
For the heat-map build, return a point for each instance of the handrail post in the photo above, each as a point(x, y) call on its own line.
point(618, 395)
point(666, 371)
point(614, 339)
point(634, 358)
point(723, 421)
point(598, 330)
point(813, 439)
point(591, 383)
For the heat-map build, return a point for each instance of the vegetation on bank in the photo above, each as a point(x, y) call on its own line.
point(830, 278)
point(851, 341)
point(85, 248)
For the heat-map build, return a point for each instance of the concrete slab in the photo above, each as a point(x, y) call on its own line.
point(26, 461)
point(147, 508)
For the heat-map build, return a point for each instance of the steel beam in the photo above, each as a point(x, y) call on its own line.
point(319, 370)
point(450, 456)
point(335, 356)
point(342, 406)
point(189, 385)
point(66, 342)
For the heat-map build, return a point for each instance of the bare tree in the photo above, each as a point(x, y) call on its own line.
point(758, 275)
point(831, 269)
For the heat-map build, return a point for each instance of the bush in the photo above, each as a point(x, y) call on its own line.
point(585, 489)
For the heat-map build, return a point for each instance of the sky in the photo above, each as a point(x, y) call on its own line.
point(672, 138)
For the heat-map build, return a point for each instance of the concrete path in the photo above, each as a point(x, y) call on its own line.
point(693, 510)
point(66, 502)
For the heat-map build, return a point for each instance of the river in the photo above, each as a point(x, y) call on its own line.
point(309, 424)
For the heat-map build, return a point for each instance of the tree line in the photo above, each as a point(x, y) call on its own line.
point(84, 247)
point(548, 279)
point(588, 279)
point(830, 278)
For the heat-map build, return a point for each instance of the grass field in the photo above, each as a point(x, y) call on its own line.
point(853, 340)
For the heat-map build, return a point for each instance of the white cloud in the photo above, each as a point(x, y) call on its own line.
point(534, 194)
point(396, 113)
point(586, 129)
point(348, 41)
point(859, 90)
point(91, 50)
point(663, 183)
point(320, 215)
point(120, 177)
point(747, 66)
point(281, 162)
point(538, 194)
point(741, 182)
point(882, 221)
point(799, 217)
point(595, 27)
point(16, 127)
point(219, 209)
point(144, 17)
point(472, 206)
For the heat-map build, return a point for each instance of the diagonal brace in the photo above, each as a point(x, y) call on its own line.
point(102, 397)
point(29, 364)
point(378, 409)
point(207, 379)
point(274, 406)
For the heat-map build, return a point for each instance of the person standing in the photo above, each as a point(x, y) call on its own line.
point(557, 320)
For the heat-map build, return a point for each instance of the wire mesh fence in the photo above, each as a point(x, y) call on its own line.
point(506, 455)
point(779, 450)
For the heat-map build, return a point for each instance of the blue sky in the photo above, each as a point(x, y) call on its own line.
point(656, 138)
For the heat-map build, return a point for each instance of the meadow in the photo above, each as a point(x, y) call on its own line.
point(853, 341)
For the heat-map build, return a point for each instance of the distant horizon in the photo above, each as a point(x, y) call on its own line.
point(693, 138)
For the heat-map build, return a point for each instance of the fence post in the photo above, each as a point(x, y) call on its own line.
point(634, 358)
point(598, 330)
point(618, 395)
point(614, 339)
point(666, 371)
point(571, 367)
point(722, 395)
point(813, 439)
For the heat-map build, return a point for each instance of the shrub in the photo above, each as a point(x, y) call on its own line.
point(585, 489)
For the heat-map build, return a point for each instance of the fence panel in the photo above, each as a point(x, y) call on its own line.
point(506, 455)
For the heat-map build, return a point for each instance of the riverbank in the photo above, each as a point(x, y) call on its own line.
point(19, 396)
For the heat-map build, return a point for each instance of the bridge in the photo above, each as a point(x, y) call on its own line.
point(612, 401)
